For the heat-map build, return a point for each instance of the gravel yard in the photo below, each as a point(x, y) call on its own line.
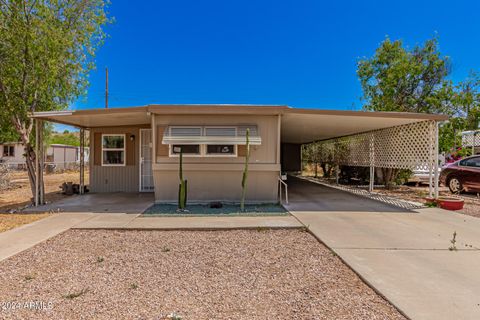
point(265, 209)
point(255, 274)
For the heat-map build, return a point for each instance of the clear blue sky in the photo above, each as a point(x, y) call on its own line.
point(300, 53)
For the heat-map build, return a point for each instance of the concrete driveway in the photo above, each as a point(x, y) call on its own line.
point(308, 196)
point(403, 254)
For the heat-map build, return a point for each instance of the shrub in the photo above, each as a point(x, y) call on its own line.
point(4, 176)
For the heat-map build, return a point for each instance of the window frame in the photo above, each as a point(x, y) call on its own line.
point(220, 155)
point(203, 147)
point(9, 155)
point(124, 149)
point(190, 155)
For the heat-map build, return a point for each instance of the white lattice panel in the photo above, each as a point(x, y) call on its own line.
point(469, 136)
point(408, 146)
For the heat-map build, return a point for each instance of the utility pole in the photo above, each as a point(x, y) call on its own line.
point(106, 88)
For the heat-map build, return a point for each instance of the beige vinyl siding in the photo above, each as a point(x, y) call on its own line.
point(204, 186)
point(118, 178)
point(267, 129)
point(114, 179)
point(219, 178)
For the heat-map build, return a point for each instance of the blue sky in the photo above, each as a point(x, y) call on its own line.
point(299, 53)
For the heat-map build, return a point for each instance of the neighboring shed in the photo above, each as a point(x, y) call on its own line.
point(12, 153)
point(471, 139)
point(62, 157)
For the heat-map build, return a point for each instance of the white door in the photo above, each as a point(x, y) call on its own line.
point(146, 174)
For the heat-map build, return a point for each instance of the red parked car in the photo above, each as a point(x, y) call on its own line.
point(462, 175)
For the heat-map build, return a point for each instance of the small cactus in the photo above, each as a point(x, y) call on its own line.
point(245, 171)
point(182, 187)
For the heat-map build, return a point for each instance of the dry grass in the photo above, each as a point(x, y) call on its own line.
point(256, 274)
point(12, 220)
point(20, 194)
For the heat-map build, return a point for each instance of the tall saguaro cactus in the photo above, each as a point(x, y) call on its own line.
point(182, 187)
point(245, 171)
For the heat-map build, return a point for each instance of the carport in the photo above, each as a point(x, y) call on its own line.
point(307, 196)
point(396, 140)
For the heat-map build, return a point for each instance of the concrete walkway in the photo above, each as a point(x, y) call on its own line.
point(21, 238)
point(115, 221)
point(404, 255)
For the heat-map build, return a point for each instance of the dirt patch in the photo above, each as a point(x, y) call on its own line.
point(12, 220)
point(257, 274)
point(418, 194)
point(19, 194)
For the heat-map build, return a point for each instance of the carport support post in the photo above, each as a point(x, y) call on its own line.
point(431, 160)
point(372, 164)
point(82, 160)
point(37, 166)
point(39, 190)
point(435, 167)
point(41, 160)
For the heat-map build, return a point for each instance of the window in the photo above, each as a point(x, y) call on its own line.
point(221, 149)
point(186, 131)
point(208, 141)
point(187, 149)
point(471, 162)
point(9, 151)
point(220, 131)
point(113, 149)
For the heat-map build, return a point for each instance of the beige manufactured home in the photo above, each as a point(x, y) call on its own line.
point(136, 149)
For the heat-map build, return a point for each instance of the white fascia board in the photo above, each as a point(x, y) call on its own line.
point(42, 114)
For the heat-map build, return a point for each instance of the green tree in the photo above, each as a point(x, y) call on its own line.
point(46, 50)
point(6, 132)
point(311, 156)
point(68, 138)
point(465, 110)
point(466, 100)
point(399, 79)
point(449, 136)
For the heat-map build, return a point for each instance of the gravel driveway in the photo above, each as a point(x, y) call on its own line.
point(256, 274)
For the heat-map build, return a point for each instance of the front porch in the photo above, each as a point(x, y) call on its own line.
point(117, 202)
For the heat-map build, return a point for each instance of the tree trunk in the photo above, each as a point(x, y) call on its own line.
point(388, 176)
point(326, 173)
point(30, 156)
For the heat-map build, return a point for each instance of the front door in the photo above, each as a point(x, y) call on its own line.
point(146, 174)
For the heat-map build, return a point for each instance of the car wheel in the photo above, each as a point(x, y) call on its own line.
point(455, 185)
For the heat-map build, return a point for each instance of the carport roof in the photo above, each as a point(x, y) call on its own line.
point(297, 126)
